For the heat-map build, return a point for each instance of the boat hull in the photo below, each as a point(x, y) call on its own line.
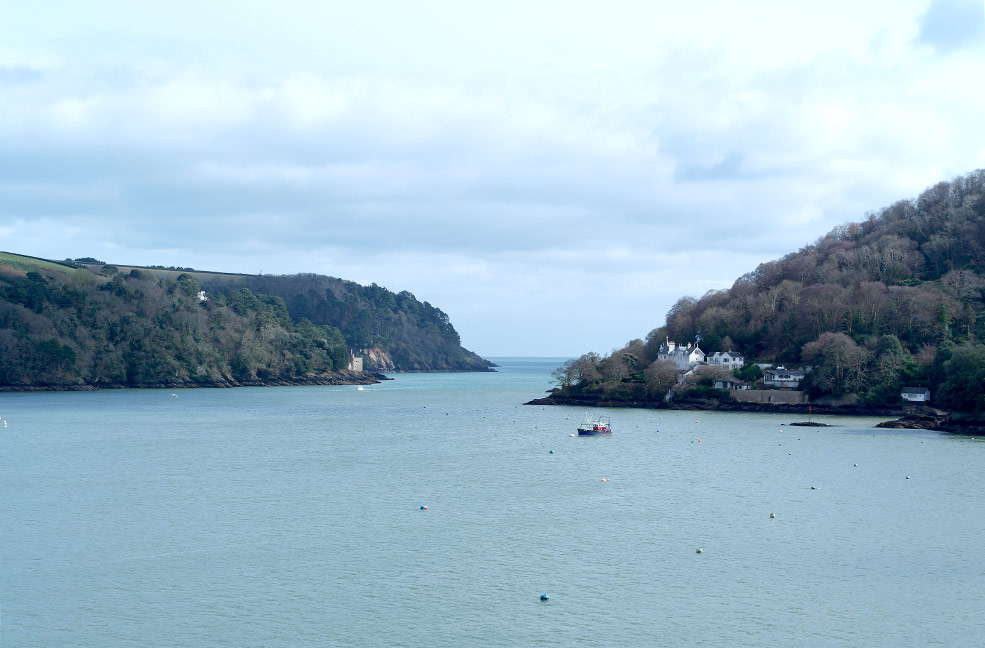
point(594, 432)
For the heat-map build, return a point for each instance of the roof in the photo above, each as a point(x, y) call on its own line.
point(915, 390)
point(791, 372)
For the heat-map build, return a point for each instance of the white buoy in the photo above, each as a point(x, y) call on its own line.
point(772, 516)
point(699, 550)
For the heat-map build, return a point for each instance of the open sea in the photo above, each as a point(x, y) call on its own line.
point(292, 517)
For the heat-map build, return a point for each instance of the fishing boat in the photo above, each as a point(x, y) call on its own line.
point(597, 426)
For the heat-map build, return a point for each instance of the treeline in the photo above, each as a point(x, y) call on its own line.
point(894, 300)
point(415, 335)
point(77, 328)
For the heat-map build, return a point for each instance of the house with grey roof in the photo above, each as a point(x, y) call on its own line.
point(782, 377)
point(684, 356)
point(726, 359)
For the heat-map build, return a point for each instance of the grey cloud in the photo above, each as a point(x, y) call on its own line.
point(730, 168)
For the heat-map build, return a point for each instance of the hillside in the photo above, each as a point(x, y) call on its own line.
point(894, 299)
point(84, 323)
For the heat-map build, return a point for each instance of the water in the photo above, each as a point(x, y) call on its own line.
point(291, 517)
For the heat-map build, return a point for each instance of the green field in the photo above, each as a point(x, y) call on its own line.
point(27, 263)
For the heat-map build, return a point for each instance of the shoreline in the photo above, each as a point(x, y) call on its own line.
point(341, 378)
point(714, 405)
point(903, 417)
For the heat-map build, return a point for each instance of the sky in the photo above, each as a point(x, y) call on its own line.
point(553, 175)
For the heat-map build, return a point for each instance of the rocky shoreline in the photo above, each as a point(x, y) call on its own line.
point(908, 417)
point(715, 405)
point(338, 378)
point(953, 422)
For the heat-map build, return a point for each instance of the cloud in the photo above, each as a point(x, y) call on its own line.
point(950, 25)
point(631, 156)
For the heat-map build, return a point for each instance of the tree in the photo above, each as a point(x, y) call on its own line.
point(564, 376)
point(892, 369)
point(188, 285)
point(661, 375)
point(964, 378)
point(581, 370)
point(838, 364)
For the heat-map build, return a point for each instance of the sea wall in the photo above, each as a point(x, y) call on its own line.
point(777, 396)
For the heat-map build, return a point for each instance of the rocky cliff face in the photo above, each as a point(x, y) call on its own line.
point(376, 359)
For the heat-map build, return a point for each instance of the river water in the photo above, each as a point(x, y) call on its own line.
point(291, 516)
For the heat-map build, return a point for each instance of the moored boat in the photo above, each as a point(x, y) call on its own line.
point(597, 426)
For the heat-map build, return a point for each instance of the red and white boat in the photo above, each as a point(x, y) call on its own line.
point(595, 426)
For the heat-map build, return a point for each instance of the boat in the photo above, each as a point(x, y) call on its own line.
point(597, 426)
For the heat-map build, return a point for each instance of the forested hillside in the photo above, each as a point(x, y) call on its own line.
point(894, 299)
point(414, 335)
point(99, 325)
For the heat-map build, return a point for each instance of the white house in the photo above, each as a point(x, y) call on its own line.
point(683, 356)
point(916, 394)
point(782, 377)
point(726, 359)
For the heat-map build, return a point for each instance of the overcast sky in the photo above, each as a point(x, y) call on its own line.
point(553, 175)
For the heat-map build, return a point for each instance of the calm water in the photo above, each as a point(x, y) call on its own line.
point(291, 517)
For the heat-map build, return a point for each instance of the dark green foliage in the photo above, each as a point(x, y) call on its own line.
point(963, 386)
point(145, 327)
point(892, 368)
point(415, 335)
point(134, 330)
point(749, 373)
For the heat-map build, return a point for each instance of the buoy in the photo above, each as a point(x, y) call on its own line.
point(423, 508)
point(544, 597)
point(814, 488)
point(699, 440)
point(907, 476)
point(572, 434)
point(552, 452)
point(699, 550)
point(856, 465)
point(772, 516)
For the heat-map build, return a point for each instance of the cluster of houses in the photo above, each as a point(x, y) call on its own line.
point(691, 361)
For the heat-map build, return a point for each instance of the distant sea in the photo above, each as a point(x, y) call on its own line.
point(293, 516)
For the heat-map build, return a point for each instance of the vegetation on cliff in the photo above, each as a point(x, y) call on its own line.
point(893, 300)
point(100, 325)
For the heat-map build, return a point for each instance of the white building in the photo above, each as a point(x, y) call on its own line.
point(726, 359)
point(683, 356)
point(916, 394)
point(355, 362)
